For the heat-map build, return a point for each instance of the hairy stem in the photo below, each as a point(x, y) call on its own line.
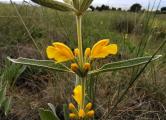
point(79, 35)
point(83, 83)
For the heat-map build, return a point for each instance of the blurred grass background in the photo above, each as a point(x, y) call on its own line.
point(137, 34)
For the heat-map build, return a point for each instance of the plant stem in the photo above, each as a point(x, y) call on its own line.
point(83, 83)
point(79, 35)
point(81, 58)
point(77, 82)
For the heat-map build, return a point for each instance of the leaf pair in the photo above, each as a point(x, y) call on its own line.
point(105, 68)
point(54, 4)
point(85, 5)
point(82, 5)
point(125, 64)
point(41, 63)
point(77, 6)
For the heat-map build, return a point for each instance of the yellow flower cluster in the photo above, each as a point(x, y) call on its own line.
point(61, 53)
point(80, 113)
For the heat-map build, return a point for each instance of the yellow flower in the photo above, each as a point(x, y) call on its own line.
point(87, 52)
point(86, 67)
point(90, 114)
point(74, 67)
point(71, 107)
point(72, 116)
point(102, 49)
point(81, 113)
point(78, 94)
point(76, 52)
point(59, 52)
point(88, 106)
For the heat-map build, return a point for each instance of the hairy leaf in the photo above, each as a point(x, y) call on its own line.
point(52, 107)
point(46, 115)
point(54, 4)
point(41, 63)
point(124, 64)
point(76, 4)
point(85, 5)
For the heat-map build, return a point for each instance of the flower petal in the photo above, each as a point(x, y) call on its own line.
point(112, 49)
point(60, 52)
point(102, 49)
point(78, 94)
point(50, 52)
point(96, 49)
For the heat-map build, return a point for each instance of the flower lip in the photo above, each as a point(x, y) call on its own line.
point(59, 52)
point(78, 94)
point(102, 49)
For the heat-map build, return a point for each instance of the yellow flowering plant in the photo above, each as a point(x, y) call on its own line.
point(62, 53)
point(81, 62)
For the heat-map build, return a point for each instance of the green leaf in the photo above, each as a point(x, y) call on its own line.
point(52, 107)
point(68, 1)
point(2, 95)
point(41, 63)
point(46, 115)
point(124, 64)
point(66, 112)
point(7, 105)
point(85, 4)
point(76, 4)
point(18, 73)
point(54, 4)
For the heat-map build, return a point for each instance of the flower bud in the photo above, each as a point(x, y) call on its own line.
point(88, 106)
point(72, 116)
point(76, 52)
point(86, 67)
point(74, 67)
point(90, 114)
point(81, 113)
point(71, 107)
point(87, 52)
